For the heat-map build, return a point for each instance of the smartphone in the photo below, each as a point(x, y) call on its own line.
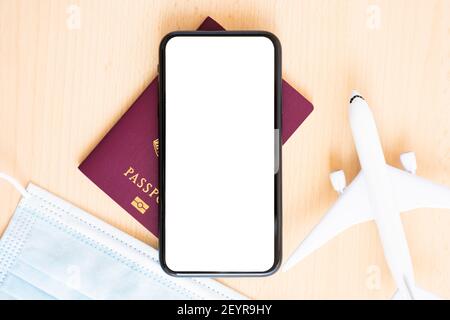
point(220, 153)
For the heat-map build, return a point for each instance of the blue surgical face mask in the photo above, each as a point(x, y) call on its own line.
point(54, 250)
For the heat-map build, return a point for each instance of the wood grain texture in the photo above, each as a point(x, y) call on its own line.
point(62, 89)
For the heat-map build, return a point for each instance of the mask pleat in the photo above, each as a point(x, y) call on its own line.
point(21, 289)
point(5, 296)
point(47, 283)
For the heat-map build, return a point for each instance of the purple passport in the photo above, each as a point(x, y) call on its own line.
point(125, 162)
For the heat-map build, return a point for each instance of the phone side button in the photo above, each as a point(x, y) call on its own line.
point(277, 150)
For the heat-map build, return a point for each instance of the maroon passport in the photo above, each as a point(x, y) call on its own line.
point(125, 162)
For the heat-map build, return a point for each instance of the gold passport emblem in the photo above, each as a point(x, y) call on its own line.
point(140, 205)
point(156, 146)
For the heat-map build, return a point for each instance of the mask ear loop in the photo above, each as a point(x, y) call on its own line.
point(16, 184)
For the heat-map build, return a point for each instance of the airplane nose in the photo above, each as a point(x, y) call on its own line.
point(355, 94)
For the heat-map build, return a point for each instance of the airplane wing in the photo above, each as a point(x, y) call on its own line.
point(412, 192)
point(351, 208)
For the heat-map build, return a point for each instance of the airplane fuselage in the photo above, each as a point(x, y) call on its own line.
point(381, 193)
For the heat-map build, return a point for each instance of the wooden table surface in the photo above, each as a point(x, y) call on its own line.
point(70, 68)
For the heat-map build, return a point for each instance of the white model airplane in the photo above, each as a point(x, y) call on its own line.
point(379, 192)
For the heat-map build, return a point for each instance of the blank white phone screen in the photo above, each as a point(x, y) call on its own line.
point(219, 183)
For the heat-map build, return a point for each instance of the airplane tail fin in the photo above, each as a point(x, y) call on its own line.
point(414, 293)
